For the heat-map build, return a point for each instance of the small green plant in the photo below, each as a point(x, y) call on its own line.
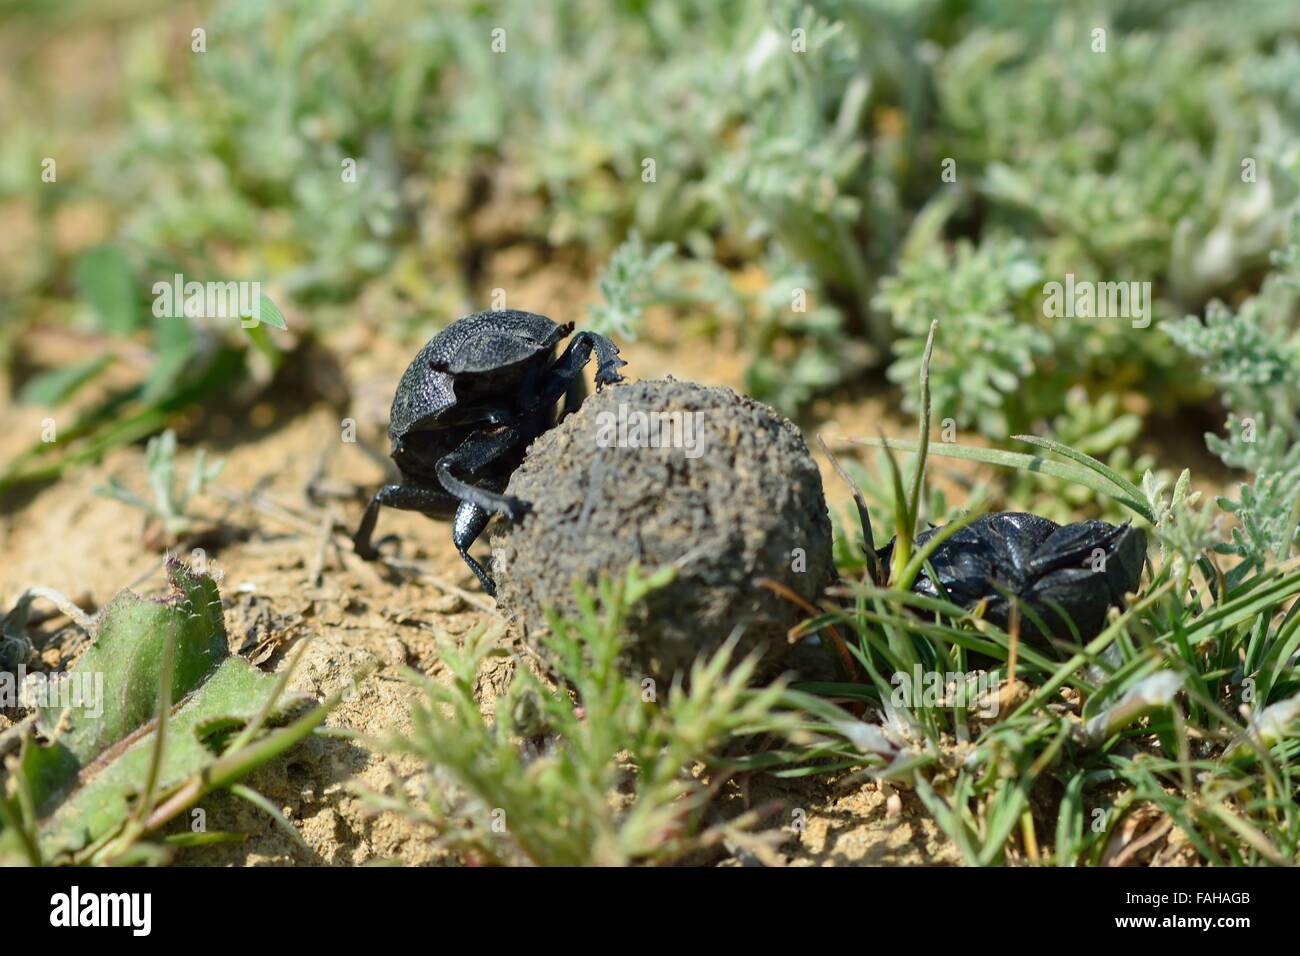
point(1250, 354)
point(154, 715)
point(597, 769)
point(186, 363)
point(170, 506)
point(627, 285)
point(981, 296)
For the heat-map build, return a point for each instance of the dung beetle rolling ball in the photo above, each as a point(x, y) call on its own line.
point(1078, 569)
point(466, 409)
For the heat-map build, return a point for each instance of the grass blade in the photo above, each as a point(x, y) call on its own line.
point(1021, 462)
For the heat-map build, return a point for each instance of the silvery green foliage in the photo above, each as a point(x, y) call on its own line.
point(254, 144)
point(627, 284)
point(1183, 530)
point(1116, 175)
point(170, 504)
point(1251, 355)
point(1286, 261)
point(1128, 164)
point(1267, 506)
point(758, 151)
point(804, 135)
point(980, 295)
point(799, 353)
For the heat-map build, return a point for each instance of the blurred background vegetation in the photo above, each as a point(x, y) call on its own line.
point(798, 209)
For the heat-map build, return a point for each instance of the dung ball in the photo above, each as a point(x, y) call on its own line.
point(664, 472)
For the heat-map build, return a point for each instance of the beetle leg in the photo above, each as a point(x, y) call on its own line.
point(571, 363)
point(479, 449)
point(468, 525)
point(574, 396)
point(430, 501)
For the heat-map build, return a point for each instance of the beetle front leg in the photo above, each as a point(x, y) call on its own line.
point(479, 449)
point(430, 501)
point(574, 396)
point(469, 524)
point(570, 364)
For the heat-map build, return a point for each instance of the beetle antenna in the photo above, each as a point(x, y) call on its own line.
point(864, 517)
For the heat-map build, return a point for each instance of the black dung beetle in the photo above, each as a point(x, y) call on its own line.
point(467, 408)
point(1084, 568)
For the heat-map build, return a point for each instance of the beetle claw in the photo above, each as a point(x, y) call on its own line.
point(369, 551)
point(608, 374)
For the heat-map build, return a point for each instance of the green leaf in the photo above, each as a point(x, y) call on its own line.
point(58, 385)
point(271, 315)
point(121, 674)
point(1087, 461)
point(1017, 460)
point(173, 342)
point(259, 338)
point(113, 774)
point(234, 694)
point(104, 279)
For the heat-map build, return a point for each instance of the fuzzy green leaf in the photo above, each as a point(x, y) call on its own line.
point(234, 694)
point(119, 676)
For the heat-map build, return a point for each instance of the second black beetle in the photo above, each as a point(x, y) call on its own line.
point(467, 408)
point(1075, 571)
